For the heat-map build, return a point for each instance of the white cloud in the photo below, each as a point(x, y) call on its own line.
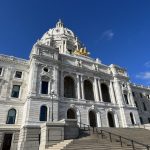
point(144, 75)
point(108, 35)
point(147, 64)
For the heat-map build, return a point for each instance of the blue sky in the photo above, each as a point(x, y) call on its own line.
point(116, 31)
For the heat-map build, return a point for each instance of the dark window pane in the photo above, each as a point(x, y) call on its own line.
point(43, 113)
point(0, 71)
point(132, 119)
point(15, 91)
point(144, 107)
point(44, 88)
point(141, 120)
point(141, 95)
point(126, 98)
point(136, 104)
point(105, 93)
point(133, 94)
point(69, 87)
point(11, 116)
point(18, 74)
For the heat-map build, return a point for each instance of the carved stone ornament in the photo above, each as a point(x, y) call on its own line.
point(72, 105)
point(48, 74)
point(79, 63)
point(93, 107)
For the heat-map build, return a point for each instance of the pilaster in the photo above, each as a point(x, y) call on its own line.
point(119, 98)
point(33, 77)
point(112, 92)
point(78, 87)
point(130, 95)
point(100, 91)
point(82, 87)
point(96, 90)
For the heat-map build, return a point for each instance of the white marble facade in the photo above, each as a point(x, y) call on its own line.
point(61, 74)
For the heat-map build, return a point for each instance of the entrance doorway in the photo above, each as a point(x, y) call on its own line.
point(111, 119)
point(92, 119)
point(71, 114)
point(7, 142)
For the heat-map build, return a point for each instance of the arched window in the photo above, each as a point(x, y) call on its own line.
point(132, 119)
point(43, 113)
point(111, 121)
point(11, 117)
point(88, 90)
point(105, 93)
point(69, 87)
point(92, 118)
point(71, 114)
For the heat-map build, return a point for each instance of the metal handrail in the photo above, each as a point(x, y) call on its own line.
point(84, 126)
point(121, 137)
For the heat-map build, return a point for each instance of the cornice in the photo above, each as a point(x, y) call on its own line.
point(14, 60)
point(140, 87)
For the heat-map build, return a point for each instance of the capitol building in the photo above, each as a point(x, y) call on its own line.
point(61, 81)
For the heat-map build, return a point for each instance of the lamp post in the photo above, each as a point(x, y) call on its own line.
point(52, 96)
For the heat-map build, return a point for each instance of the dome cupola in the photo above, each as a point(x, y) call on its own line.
point(61, 38)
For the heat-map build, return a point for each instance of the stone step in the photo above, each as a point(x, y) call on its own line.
point(60, 146)
point(95, 142)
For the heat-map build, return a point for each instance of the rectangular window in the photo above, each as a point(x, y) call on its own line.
point(44, 87)
point(136, 104)
point(144, 107)
point(126, 98)
point(133, 94)
point(15, 91)
point(147, 96)
point(141, 95)
point(1, 69)
point(18, 74)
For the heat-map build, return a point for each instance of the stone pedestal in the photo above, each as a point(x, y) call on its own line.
point(71, 130)
point(52, 133)
point(29, 138)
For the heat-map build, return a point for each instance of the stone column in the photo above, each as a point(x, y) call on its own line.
point(96, 90)
point(112, 92)
point(130, 95)
point(119, 98)
point(78, 87)
point(33, 77)
point(100, 91)
point(82, 87)
point(5, 86)
point(61, 84)
point(118, 91)
point(55, 81)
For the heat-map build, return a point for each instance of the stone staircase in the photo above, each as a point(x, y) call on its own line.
point(59, 146)
point(94, 141)
point(137, 134)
